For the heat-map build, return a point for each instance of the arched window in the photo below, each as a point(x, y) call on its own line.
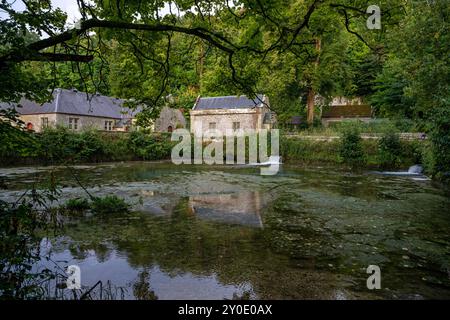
point(170, 129)
point(29, 126)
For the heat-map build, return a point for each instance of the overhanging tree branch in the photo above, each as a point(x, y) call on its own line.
point(347, 26)
point(213, 38)
point(22, 55)
point(55, 57)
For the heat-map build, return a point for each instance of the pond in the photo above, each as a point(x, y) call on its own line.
point(224, 232)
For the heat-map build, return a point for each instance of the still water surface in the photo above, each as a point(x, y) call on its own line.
point(201, 232)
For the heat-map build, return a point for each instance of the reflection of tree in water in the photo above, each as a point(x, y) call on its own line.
point(141, 288)
point(20, 246)
point(182, 244)
point(80, 251)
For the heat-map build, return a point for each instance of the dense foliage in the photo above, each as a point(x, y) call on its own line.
point(290, 50)
point(20, 244)
point(108, 205)
point(415, 80)
point(63, 146)
point(351, 150)
point(390, 150)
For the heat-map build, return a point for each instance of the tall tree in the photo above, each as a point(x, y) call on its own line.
point(415, 81)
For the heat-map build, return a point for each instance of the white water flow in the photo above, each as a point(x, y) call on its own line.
point(273, 160)
point(415, 171)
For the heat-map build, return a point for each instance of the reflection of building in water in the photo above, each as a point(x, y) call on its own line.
point(238, 208)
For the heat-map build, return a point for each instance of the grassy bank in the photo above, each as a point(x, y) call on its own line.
point(342, 143)
point(378, 126)
point(313, 152)
point(60, 145)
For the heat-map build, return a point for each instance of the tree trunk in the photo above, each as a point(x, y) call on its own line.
point(201, 62)
point(311, 92)
point(310, 105)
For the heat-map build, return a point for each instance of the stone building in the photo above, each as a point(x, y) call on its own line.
point(242, 208)
point(169, 119)
point(342, 108)
point(76, 111)
point(231, 113)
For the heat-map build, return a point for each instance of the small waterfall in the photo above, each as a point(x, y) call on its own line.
point(416, 169)
point(273, 160)
point(415, 172)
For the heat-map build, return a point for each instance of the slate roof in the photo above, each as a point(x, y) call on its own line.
point(228, 102)
point(350, 111)
point(76, 103)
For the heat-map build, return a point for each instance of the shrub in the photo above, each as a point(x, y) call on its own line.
point(15, 142)
point(77, 205)
point(308, 151)
point(117, 148)
point(390, 150)
point(427, 157)
point(22, 224)
point(405, 125)
point(376, 126)
point(440, 145)
point(150, 146)
point(88, 145)
point(109, 204)
point(351, 149)
point(60, 144)
point(55, 144)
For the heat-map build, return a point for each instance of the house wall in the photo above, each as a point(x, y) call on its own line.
point(84, 122)
point(338, 101)
point(35, 120)
point(224, 118)
point(169, 117)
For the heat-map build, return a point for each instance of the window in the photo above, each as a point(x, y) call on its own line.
point(212, 125)
point(108, 125)
point(73, 123)
point(236, 126)
point(44, 123)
